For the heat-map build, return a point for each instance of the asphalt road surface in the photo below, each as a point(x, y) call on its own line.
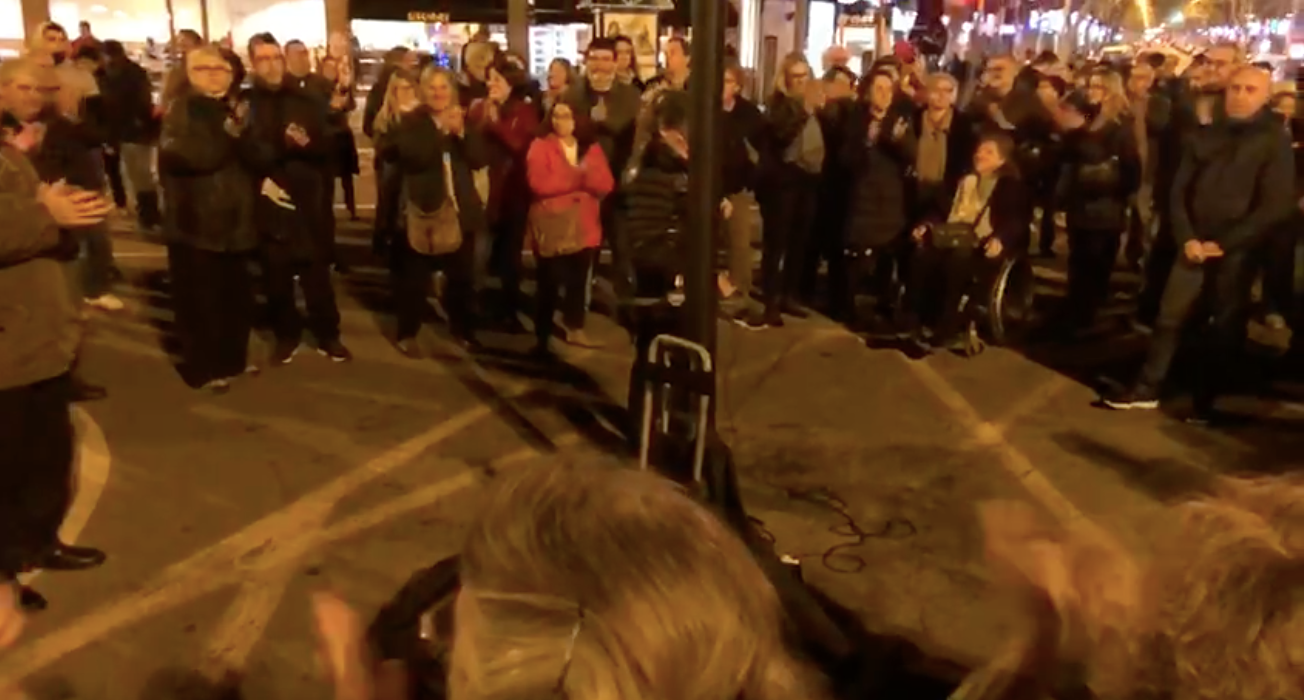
point(221, 514)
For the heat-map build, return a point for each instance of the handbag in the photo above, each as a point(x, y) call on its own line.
point(438, 232)
point(954, 235)
point(556, 233)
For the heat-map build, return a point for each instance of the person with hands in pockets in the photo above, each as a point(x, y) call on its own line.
point(1235, 183)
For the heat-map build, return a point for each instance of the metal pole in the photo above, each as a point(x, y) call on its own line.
point(704, 188)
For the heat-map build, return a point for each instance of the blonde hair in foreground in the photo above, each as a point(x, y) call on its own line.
point(1229, 596)
point(600, 584)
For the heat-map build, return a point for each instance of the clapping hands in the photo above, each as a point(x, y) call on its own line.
point(71, 207)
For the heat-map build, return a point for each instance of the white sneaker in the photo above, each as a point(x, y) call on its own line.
point(107, 302)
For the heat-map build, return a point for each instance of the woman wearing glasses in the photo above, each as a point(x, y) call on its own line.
point(208, 223)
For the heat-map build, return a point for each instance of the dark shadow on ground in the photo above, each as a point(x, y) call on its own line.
point(186, 684)
point(1162, 479)
point(883, 666)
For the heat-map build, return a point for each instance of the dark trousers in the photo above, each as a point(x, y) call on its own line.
point(1138, 237)
point(851, 269)
point(1278, 257)
point(1158, 265)
point(824, 239)
point(213, 302)
point(1091, 263)
point(350, 197)
point(786, 220)
point(568, 274)
point(36, 470)
point(1046, 226)
point(412, 286)
point(505, 259)
point(97, 260)
point(279, 272)
point(113, 169)
point(622, 251)
point(939, 279)
point(1225, 284)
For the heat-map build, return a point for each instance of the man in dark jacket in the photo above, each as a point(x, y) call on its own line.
point(289, 128)
point(1234, 183)
point(42, 330)
point(612, 107)
point(131, 129)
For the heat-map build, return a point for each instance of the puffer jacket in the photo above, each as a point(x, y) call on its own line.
point(39, 323)
point(655, 218)
point(1101, 170)
point(202, 170)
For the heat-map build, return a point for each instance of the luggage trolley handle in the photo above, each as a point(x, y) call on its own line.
point(656, 356)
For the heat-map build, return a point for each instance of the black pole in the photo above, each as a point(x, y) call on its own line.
point(704, 188)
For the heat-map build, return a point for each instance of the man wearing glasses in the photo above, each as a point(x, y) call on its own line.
point(611, 108)
point(288, 126)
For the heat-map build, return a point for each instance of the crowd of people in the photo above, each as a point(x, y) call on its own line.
point(912, 185)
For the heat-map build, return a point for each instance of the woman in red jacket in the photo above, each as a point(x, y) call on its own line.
point(569, 177)
point(508, 121)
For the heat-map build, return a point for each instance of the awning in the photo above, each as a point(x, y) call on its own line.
point(477, 11)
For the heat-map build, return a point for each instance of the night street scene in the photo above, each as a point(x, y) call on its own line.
point(651, 350)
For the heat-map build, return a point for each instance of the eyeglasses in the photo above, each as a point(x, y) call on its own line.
point(211, 70)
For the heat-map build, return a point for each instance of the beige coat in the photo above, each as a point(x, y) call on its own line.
point(39, 322)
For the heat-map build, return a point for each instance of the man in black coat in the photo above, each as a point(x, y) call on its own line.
point(131, 131)
point(1235, 182)
point(612, 108)
point(289, 127)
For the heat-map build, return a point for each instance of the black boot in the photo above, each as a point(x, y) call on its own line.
point(147, 211)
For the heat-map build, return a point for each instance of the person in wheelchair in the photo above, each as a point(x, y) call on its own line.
point(989, 221)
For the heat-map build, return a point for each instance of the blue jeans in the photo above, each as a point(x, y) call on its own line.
point(96, 261)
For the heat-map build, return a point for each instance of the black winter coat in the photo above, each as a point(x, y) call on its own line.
point(1235, 182)
point(785, 117)
point(742, 129)
point(128, 104)
point(299, 170)
point(70, 151)
point(419, 148)
point(878, 209)
point(1101, 170)
point(654, 218)
point(210, 197)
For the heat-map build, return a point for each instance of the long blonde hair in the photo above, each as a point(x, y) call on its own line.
point(1116, 106)
point(603, 584)
point(389, 113)
point(781, 76)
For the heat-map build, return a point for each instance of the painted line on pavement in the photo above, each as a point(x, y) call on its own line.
point(92, 463)
point(245, 622)
point(232, 559)
point(1012, 459)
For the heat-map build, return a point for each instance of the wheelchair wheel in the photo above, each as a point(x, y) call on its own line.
point(1010, 305)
